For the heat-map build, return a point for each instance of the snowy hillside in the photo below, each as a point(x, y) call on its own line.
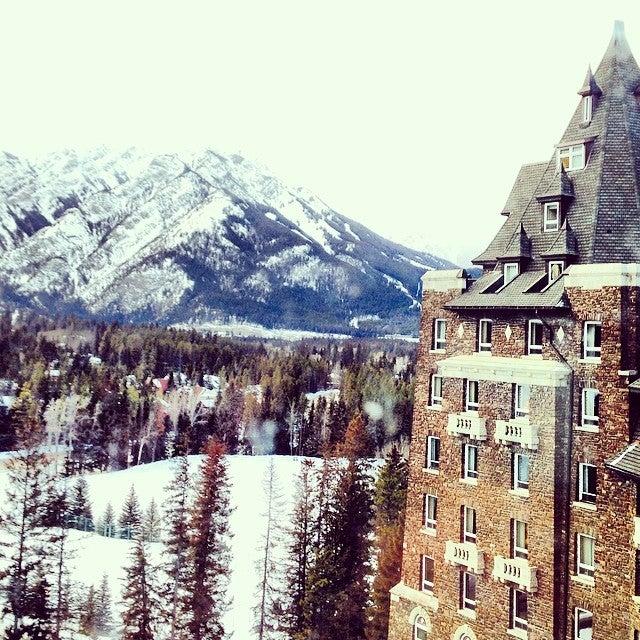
point(95, 555)
point(193, 238)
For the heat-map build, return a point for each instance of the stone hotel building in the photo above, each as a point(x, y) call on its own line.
point(523, 503)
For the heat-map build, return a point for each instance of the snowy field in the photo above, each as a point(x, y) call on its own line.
point(95, 555)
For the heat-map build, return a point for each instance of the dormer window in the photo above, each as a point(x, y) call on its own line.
point(587, 109)
point(551, 216)
point(571, 158)
point(510, 271)
point(556, 267)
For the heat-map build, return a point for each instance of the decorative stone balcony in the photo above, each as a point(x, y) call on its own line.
point(467, 424)
point(636, 532)
point(517, 571)
point(517, 431)
point(464, 554)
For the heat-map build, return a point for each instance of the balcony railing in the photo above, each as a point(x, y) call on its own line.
point(467, 424)
point(464, 554)
point(636, 532)
point(516, 570)
point(517, 431)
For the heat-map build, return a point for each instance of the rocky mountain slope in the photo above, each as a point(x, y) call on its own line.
point(193, 238)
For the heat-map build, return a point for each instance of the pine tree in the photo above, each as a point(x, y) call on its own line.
point(139, 601)
point(151, 523)
point(300, 552)
point(88, 623)
point(269, 608)
point(80, 507)
point(130, 519)
point(176, 585)
point(210, 548)
point(107, 525)
point(104, 620)
point(357, 441)
point(390, 495)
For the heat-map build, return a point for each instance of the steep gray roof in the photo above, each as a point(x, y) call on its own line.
point(605, 210)
point(627, 461)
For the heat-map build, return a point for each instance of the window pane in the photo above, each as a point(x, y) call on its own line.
point(583, 624)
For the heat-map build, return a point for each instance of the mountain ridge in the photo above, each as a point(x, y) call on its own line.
point(190, 238)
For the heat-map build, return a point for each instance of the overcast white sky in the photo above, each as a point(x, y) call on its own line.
point(412, 117)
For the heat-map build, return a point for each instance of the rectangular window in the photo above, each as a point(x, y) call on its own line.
point(430, 511)
point(556, 267)
point(587, 108)
point(467, 591)
point(585, 555)
point(582, 624)
point(592, 339)
point(469, 533)
point(426, 574)
point(439, 334)
point(470, 461)
point(471, 396)
point(484, 336)
point(436, 390)
point(521, 395)
point(518, 610)
point(590, 407)
point(520, 471)
point(551, 216)
point(510, 271)
point(587, 482)
point(433, 453)
point(519, 539)
point(534, 337)
point(572, 158)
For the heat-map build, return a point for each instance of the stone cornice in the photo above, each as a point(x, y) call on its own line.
point(599, 275)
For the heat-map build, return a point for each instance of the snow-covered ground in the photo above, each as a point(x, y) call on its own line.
point(251, 330)
point(95, 555)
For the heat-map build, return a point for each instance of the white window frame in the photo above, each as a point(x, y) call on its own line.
point(506, 268)
point(553, 263)
point(430, 516)
point(576, 624)
point(584, 495)
point(591, 352)
point(439, 334)
point(436, 394)
point(467, 603)
point(582, 568)
point(590, 396)
point(520, 483)
point(533, 348)
point(469, 517)
point(518, 623)
point(426, 584)
point(420, 629)
point(485, 347)
point(472, 405)
point(575, 155)
point(521, 401)
point(587, 108)
point(433, 462)
point(516, 527)
point(468, 472)
point(550, 224)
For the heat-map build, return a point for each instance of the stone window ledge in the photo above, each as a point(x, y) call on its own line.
point(587, 428)
point(587, 506)
point(437, 350)
point(434, 407)
point(428, 531)
point(519, 493)
point(585, 581)
point(590, 360)
point(472, 482)
point(402, 590)
point(433, 472)
point(467, 613)
point(518, 633)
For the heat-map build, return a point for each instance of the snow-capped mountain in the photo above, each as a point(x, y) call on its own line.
point(193, 238)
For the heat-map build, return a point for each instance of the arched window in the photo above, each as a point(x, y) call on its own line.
point(420, 629)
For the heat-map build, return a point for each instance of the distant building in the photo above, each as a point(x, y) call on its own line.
point(522, 512)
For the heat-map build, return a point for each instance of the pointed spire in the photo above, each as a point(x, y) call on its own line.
point(618, 48)
point(519, 246)
point(560, 188)
point(565, 244)
point(590, 86)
